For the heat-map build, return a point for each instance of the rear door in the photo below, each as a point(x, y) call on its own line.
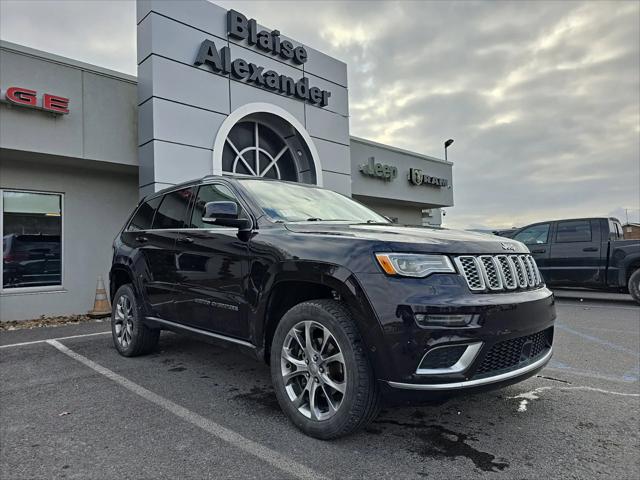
point(576, 257)
point(212, 265)
point(156, 249)
point(537, 237)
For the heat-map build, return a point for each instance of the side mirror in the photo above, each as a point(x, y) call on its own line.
point(225, 214)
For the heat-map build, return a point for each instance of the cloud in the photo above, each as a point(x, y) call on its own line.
point(542, 98)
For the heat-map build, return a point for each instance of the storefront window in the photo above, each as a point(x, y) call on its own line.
point(31, 239)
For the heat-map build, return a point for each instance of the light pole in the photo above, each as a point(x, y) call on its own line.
point(447, 144)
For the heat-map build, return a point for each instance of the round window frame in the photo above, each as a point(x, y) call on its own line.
point(259, 107)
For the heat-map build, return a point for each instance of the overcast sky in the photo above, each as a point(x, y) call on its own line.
point(542, 98)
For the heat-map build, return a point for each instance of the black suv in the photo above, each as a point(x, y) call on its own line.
point(346, 307)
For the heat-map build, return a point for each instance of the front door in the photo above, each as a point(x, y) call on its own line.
point(212, 268)
point(158, 247)
point(537, 237)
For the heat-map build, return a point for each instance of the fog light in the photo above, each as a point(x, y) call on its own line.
point(428, 319)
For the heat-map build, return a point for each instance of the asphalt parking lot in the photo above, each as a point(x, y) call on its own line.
point(74, 408)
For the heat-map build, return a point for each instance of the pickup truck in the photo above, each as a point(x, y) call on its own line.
point(585, 253)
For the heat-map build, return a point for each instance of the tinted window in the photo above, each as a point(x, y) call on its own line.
point(143, 217)
point(211, 193)
point(172, 210)
point(534, 234)
point(31, 239)
point(574, 231)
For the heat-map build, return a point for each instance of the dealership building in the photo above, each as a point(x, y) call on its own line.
point(216, 93)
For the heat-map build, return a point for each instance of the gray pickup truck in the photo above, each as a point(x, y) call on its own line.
point(585, 253)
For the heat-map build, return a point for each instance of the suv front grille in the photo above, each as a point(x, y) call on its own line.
point(510, 353)
point(499, 272)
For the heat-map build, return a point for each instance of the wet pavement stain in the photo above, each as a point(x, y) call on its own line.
point(263, 397)
point(440, 442)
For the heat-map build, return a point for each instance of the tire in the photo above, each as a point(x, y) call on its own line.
point(634, 285)
point(138, 338)
point(357, 405)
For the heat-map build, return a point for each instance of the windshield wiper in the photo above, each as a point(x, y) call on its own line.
point(316, 219)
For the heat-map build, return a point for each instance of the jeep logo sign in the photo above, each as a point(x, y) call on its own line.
point(416, 177)
point(378, 170)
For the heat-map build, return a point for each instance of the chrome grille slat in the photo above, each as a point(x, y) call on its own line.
point(468, 267)
point(508, 272)
point(499, 272)
point(490, 271)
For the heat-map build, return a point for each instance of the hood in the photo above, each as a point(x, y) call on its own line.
point(414, 239)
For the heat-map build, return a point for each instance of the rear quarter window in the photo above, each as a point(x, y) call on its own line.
point(144, 215)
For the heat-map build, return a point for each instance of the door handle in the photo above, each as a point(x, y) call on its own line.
point(185, 240)
point(141, 239)
point(539, 250)
point(590, 249)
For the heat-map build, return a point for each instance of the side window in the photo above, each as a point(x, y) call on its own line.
point(211, 193)
point(574, 231)
point(614, 230)
point(143, 217)
point(172, 210)
point(534, 234)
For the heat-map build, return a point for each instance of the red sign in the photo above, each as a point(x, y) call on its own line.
point(29, 98)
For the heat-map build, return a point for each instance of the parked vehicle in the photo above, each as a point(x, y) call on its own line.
point(584, 252)
point(31, 260)
point(346, 307)
point(508, 233)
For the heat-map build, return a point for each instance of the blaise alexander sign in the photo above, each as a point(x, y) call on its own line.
point(240, 28)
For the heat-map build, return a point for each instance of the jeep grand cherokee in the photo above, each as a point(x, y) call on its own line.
point(346, 307)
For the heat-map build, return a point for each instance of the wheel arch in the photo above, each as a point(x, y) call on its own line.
point(323, 281)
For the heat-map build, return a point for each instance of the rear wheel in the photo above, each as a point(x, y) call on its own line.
point(322, 377)
point(131, 336)
point(634, 285)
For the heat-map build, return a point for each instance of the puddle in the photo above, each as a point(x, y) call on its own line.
point(436, 441)
point(263, 397)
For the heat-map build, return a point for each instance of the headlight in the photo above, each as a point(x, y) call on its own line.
point(411, 265)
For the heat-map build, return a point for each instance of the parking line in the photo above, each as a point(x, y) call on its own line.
point(34, 342)
point(266, 454)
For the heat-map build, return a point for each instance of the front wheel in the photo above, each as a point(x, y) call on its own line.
point(323, 379)
point(634, 285)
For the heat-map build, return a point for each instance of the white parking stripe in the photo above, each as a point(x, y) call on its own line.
point(266, 454)
point(34, 342)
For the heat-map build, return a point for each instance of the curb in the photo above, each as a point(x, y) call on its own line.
point(580, 295)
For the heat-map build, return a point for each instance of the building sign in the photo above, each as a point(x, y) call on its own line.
point(416, 177)
point(25, 97)
point(378, 170)
point(239, 27)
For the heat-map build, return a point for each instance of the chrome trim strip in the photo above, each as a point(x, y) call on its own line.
point(202, 332)
point(474, 383)
point(461, 365)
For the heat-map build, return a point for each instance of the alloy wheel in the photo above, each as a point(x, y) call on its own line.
point(124, 321)
point(313, 370)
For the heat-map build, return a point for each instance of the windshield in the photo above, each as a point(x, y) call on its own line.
point(287, 202)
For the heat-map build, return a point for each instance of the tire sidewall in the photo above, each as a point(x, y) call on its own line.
point(312, 312)
point(634, 285)
point(135, 336)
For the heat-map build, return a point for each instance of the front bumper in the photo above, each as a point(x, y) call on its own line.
point(506, 319)
point(517, 374)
